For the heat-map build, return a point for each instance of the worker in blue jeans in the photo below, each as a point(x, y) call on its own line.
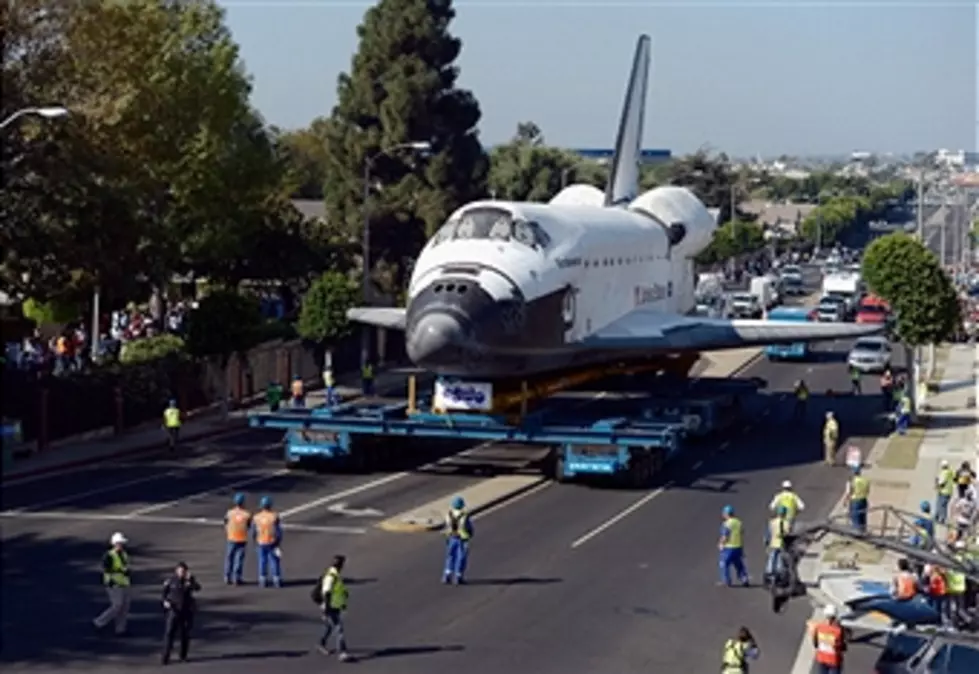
point(458, 533)
point(731, 548)
point(858, 499)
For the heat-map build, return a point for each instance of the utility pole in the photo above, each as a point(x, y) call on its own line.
point(921, 206)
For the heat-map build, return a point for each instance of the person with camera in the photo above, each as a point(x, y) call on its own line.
point(737, 652)
point(180, 606)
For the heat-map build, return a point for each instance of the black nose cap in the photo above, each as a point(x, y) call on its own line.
point(434, 335)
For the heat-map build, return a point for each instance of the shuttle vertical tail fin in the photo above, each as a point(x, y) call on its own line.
point(623, 179)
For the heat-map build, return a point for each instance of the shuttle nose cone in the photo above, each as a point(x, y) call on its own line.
point(432, 336)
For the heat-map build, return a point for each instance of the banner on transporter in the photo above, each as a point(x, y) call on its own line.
point(472, 396)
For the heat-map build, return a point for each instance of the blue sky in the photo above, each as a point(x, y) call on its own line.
point(790, 76)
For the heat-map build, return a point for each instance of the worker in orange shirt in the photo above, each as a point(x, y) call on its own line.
point(236, 524)
point(904, 585)
point(829, 642)
point(934, 580)
point(298, 391)
point(267, 530)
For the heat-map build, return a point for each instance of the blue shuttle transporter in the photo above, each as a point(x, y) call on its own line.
point(796, 351)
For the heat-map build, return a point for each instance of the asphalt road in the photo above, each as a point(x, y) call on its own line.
point(565, 578)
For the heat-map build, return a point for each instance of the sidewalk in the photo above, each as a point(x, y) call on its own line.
point(149, 438)
point(902, 474)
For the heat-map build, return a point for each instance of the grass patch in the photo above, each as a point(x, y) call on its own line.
point(902, 450)
point(843, 550)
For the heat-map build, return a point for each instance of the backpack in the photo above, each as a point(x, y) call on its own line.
point(316, 594)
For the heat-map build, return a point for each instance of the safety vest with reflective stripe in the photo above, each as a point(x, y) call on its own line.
point(802, 393)
point(777, 529)
point(946, 482)
point(236, 523)
point(829, 644)
point(119, 575)
point(860, 488)
point(457, 524)
point(171, 417)
point(337, 600)
point(964, 477)
point(906, 588)
point(367, 372)
point(788, 500)
point(265, 525)
point(733, 658)
point(733, 541)
point(955, 579)
point(937, 587)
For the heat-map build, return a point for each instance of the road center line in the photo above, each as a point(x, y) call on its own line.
point(207, 492)
point(618, 518)
point(330, 498)
point(68, 498)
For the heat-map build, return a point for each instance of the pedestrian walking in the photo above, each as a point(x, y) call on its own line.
point(331, 594)
point(115, 579)
point(180, 606)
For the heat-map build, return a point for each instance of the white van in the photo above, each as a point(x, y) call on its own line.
point(763, 288)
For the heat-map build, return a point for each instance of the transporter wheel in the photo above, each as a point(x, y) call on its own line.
point(558, 468)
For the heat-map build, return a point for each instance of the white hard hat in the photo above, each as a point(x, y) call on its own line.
point(944, 463)
point(959, 545)
point(829, 611)
point(118, 539)
point(787, 484)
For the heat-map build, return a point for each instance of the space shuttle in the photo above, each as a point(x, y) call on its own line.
point(509, 289)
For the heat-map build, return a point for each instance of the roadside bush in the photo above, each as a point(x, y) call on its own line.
point(151, 349)
point(273, 329)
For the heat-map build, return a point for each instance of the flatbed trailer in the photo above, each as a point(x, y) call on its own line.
point(627, 433)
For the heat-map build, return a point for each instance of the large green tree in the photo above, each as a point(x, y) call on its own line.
point(900, 269)
point(402, 88)
point(526, 169)
point(323, 315)
point(161, 167)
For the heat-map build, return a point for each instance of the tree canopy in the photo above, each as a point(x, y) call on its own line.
point(323, 315)
point(162, 166)
point(224, 323)
point(402, 89)
point(900, 269)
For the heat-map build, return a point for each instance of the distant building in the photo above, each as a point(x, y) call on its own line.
point(603, 155)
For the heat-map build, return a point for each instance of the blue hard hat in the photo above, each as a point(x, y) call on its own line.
point(296, 376)
point(728, 510)
point(239, 499)
point(173, 403)
point(925, 506)
point(782, 510)
point(266, 502)
point(458, 503)
point(856, 470)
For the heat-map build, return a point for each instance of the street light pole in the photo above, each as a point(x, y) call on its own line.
point(417, 146)
point(49, 112)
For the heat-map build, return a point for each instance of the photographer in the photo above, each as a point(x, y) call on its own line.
point(737, 652)
point(180, 607)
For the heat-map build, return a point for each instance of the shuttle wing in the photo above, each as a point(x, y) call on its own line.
point(647, 329)
point(382, 317)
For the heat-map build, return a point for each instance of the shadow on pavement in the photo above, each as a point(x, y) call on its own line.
point(402, 651)
point(521, 580)
point(52, 591)
point(253, 655)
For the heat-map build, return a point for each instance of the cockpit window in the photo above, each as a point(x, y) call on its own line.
point(494, 224)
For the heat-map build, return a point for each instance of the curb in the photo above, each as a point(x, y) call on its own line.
point(403, 527)
point(128, 452)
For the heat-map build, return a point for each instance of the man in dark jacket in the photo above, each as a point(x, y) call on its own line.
point(180, 606)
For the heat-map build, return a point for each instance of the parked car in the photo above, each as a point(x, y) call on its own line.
point(870, 354)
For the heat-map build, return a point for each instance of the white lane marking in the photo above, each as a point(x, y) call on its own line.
point(207, 492)
point(621, 516)
point(330, 498)
point(804, 659)
point(95, 492)
point(697, 465)
point(519, 497)
point(724, 445)
point(201, 521)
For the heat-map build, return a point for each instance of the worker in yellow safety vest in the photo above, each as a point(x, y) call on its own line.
point(332, 596)
point(778, 528)
point(737, 652)
point(731, 548)
point(857, 499)
point(171, 422)
point(789, 500)
point(367, 378)
point(956, 586)
point(831, 436)
point(801, 399)
point(458, 533)
point(115, 579)
point(945, 487)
